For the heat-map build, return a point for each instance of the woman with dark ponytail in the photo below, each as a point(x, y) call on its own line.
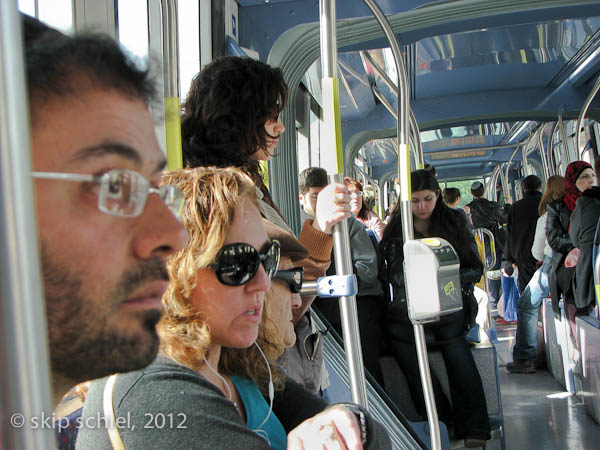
point(432, 217)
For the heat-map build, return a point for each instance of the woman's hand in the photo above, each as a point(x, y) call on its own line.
point(336, 428)
point(333, 205)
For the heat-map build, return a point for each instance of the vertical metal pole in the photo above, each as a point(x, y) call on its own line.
point(406, 211)
point(24, 363)
point(171, 83)
point(563, 136)
point(341, 247)
point(543, 152)
point(418, 150)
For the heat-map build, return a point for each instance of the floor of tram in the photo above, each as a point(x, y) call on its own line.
point(538, 412)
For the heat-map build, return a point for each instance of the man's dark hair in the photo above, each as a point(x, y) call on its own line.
point(477, 189)
point(531, 183)
point(59, 65)
point(312, 177)
point(451, 194)
point(224, 115)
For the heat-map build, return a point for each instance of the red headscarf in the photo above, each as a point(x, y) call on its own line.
point(571, 192)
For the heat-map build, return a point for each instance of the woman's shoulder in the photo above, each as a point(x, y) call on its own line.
point(163, 375)
point(556, 205)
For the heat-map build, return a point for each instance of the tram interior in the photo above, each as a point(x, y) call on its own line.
point(495, 97)
point(496, 91)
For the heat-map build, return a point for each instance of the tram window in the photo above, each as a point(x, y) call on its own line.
point(133, 26)
point(56, 13)
point(189, 48)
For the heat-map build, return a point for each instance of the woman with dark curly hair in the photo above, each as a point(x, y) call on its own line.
point(432, 217)
point(231, 118)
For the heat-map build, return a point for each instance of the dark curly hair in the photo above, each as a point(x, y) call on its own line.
point(225, 112)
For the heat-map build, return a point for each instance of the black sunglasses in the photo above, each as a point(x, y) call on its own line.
point(293, 277)
point(237, 263)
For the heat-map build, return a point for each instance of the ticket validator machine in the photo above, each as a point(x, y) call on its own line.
point(431, 267)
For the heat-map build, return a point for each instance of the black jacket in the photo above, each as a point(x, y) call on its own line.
point(557, 233)
point(582, 232)
point(522, 220)
point(489, 215)
point(471, 269)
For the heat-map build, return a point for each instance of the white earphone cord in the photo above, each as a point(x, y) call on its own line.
point(271, 389)
point(222, 379)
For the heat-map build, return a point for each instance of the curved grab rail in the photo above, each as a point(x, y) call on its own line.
point(406, 210)
point(582, 114)
point(480, 232)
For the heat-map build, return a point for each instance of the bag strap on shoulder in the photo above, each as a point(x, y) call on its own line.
point(109, 414)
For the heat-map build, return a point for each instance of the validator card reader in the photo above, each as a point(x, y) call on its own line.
point(431, 268)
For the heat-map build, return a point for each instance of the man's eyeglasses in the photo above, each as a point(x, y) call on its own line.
point(123, 192)
point(238, 263)
point(293, 278)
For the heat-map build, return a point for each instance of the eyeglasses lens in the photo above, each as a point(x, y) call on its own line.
point(122, 193)
point(173, 198)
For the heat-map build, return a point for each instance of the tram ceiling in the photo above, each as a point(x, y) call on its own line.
point(423, 18)
point(470, 63)
point(520, 72)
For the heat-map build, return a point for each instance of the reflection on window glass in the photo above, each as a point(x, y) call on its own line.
point(27, 6)
point(189, 43)
point(133, 26)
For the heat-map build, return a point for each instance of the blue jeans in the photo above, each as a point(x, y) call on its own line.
point(528, 307)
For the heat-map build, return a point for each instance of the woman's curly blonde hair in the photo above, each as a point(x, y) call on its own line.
point(211, 198)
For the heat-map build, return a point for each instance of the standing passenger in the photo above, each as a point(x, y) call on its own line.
point(97, 167)
point(232, 118)
point(452, 198)
point(487, 214)
point(537, 289)
point(431, 217)
point(361, 211)
point(370, 300)
point(522, 219)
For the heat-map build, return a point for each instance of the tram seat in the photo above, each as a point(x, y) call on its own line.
point(588, 329)
point(557, 346)
point(486, 360)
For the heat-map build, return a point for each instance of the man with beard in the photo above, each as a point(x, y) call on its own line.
point(105, 226)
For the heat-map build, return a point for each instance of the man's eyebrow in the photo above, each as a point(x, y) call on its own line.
point(105, 149)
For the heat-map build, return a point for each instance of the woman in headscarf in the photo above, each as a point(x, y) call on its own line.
point(578, 177)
